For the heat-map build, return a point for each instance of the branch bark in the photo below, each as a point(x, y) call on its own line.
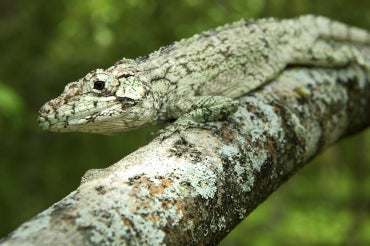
point(194, 190)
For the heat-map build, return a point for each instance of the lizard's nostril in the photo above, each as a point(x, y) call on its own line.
point(45, 110)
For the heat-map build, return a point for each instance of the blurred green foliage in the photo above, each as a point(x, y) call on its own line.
point(11, 104)
point(45, 44)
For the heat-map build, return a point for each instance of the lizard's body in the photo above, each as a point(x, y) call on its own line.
point(195, 80)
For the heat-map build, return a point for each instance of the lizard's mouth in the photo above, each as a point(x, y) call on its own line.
point(95, 122)
point(109, 115)
point(79, 114)
point(127, 102)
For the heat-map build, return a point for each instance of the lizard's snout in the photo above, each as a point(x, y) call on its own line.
point(46, 116)
point(43, 123)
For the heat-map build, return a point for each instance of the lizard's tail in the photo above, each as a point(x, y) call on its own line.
point(330, 29)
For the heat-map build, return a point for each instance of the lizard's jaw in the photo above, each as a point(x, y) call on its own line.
point(113, 126)
point(75, 117)
point(109, 115)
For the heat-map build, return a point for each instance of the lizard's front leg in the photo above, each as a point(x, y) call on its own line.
point(194, 112)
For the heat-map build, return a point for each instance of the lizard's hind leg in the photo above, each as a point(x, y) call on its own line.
point(331, 54)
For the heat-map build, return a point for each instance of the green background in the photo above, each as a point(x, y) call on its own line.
point(45, 44)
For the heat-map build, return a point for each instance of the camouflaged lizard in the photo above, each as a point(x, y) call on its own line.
point(196, 80)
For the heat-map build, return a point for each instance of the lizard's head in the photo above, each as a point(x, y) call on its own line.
point(104, 101)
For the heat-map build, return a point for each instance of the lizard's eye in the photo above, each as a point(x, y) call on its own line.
point(99, 85)
point(99, 82)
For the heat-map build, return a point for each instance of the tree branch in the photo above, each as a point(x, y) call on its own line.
point(194, 190)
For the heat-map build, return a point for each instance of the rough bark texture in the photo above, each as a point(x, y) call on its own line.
point(194, 190)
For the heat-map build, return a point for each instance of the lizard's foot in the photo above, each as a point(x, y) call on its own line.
point(180, 126)
point(198, 112)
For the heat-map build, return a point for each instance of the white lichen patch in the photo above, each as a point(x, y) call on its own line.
point(217, 224)
point(257, 159)
point(244, 172)
point(244, 177)
point(117, 218)
point(221, 223)
point(203, 179)
point(353, 74)
point(298, 128)
point(229, 151)
point(241, 213)
point(268, 125)
point(153, 198)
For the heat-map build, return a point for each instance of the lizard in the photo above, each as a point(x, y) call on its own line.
point(198, 79)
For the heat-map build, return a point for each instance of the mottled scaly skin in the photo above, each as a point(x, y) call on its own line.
point(196, 80)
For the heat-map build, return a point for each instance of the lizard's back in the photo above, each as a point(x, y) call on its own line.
point(253, 52)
